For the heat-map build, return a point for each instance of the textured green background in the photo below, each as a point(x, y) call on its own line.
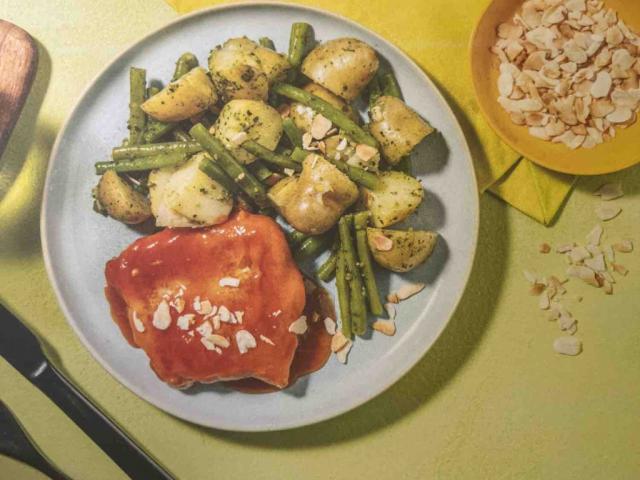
point(490, 400)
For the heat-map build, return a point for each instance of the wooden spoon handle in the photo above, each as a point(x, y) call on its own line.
point(18, 61)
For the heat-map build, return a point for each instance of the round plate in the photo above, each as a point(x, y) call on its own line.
point(617, 154)
point(77, 242)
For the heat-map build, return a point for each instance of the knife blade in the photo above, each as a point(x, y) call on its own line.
point(21, 348)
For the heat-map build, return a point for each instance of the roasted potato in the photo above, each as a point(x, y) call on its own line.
point(303, 115)
point(188, 96)
point(343, 66)
point(400, 250)
point(120, 200)
point(241, 120)
point(313, 202)
point(395, 199)
point(242, 69)
point(397, 127)
point(165, 216)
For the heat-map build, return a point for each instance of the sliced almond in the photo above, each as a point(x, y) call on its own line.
point(387, 327)
point(609, 191)
point(602, 85)
point(299, 326)
point(594, 236)
point(343, 353)
point(625, 246)
point(162, 316)
point(510, 31)
point(568, 346)
point(620, 269)
point(544, 248)
point(596, 263)
point(583, 273)
point(565, 247)
point(320, 125)
point(365, 152)
point(408, 290)
point(505, 84)
point(382, 242)
point(330, 325)
point(578, 254)
point(620, 115)
point(606, 212)
point(338, 342)
point(245, 341)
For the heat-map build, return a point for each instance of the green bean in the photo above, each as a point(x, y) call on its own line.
point(137, 96)
point(187, 62)
point(180, 135)
point(342, 286)
point(143, 163)
point(360, 222)
point(328, 268)
point(292, 132)
point(248, 183)
point(374, 90)
point(296, 238)
point(267, 155)
point(390, 85)
point(217, 174)
point(124, 153)
point(299, 43)
point(334, 114)
point(299, 155)
point(356, 289)
point(260, 170)
point(314, 246)
point(266, 42)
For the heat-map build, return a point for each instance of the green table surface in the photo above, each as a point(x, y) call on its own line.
point(490, 400)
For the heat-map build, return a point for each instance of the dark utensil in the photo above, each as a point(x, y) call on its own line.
point(15, 443)
point(22, 349)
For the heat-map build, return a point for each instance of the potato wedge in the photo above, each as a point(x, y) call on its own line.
point(241, 120)
point(344, 66)
point(188, 96)
point(400, 250)
point(303, 115)
point(191, 193)
point(120, 200)
point(397, 197)
point(313, 202)
point(242, 69)
point(397, 128)
point(165, 216)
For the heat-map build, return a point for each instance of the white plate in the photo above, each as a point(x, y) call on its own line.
point(77, 242)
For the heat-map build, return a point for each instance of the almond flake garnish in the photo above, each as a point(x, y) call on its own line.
point(544, 248)
point(267, 340)
point(583, 273)
point(342, 144)
point(245, 341)
point(239, 138)
point(229, 282)
point(607, 212)
point(565, 247)
point(299, 326)
point(343, 353)
point(382, 242)
point(224, 314)
point(387, 327)
point(409, 290)
point(330, 325)
point(544, 302)
point(619, 269)
point(306, 140)
point(219, 340)
point(239, 315)
point(338, 341)
point(320, 125)
point(609, 191)
point(162, 316)
point(393, 298)
point(594, 236)
point(625, 246)
point(596, 263)
point(205, 329)
point(137, 323)
point(205, 307)
point(568, 346)
point(208, 344)
point(289, 172)
point(579, 253)
point(391, 310)
point(365, 152)
point(185, 321)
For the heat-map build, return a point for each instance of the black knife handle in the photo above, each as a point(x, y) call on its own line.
point(110, 438)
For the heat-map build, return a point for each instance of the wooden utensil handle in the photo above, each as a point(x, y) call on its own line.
point(18, 61)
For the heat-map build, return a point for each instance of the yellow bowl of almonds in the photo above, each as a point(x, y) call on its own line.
point(558, 80)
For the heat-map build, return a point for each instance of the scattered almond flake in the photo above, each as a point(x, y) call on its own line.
point(225, 315)
point(162, 316)
point(566, 321)
point(594, 250)
point(579, 253)
point(382, 242)
point(583, 273)
point(306, 140)
point(365, 152)
point(553, 313)
point(596, 263)
point(537, 289)
point(215, 319)
point(320, 125)
point(338, 341)
point(204, 307)
point(229, 282)
point(204, 329)
point(267, 340)
point(557, 284)
point(299, 326)
point(608, 277)
point(409, 290)
point(330, 325)
point(239, 138)
point(594, 236)
point(607, 287)
point(568, 346)
point(245, 341)
point(544, 248)
point(196, 303)
point(620, 269)
point(178, 304)
point(208, 344)
point(185, 321)
point(393, 298)
point(544, 302)
point(625, 246)
point(608, 253)
point(219, 340)
point(565, 247)
point(239, 315)
point(606, 212)
point(276, 313)
point(343, 353)
point(386, 327)
point(137, 323)
point(342, 144)
point(289, 172)
point(391, 310)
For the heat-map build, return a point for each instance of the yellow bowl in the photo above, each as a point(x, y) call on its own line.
point(618, 153)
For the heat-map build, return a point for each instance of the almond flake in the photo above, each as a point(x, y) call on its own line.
point(596, 263)
point(578, 254)
point(341, 145)
point(225, 315)
point(185, 321)
point(607, 287)
point(408, 290)
point(343, 353)
point(505, 84)
point(391, 310)
point(239, 138)
point(594, 236)
point(239, 315)
point(137, 323)
point(245, 341)
point(544, 302)
point(568, 346)
point(382, 242)
point(620, 269)
point(204, 329)
point(219, 340)
point(330, 326)
point(208, 344)
point(299, 326)
point(162, 316)
point(565, 247)
point(386, 327)
point(267, 340)
point(204, 307)
point(625, 246)
point(306, 140)
point(544, 248)
point(338, 342)
point(607, 212)
point(365, 152)
point(229, 282)
point(620, 115)
point(583, 273)
point(320, 125)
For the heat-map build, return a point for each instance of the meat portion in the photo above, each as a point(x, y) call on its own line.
point(210, 304)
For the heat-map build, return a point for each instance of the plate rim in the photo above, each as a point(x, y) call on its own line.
point(306, 420)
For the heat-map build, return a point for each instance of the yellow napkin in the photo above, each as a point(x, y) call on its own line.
point(436, 33)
